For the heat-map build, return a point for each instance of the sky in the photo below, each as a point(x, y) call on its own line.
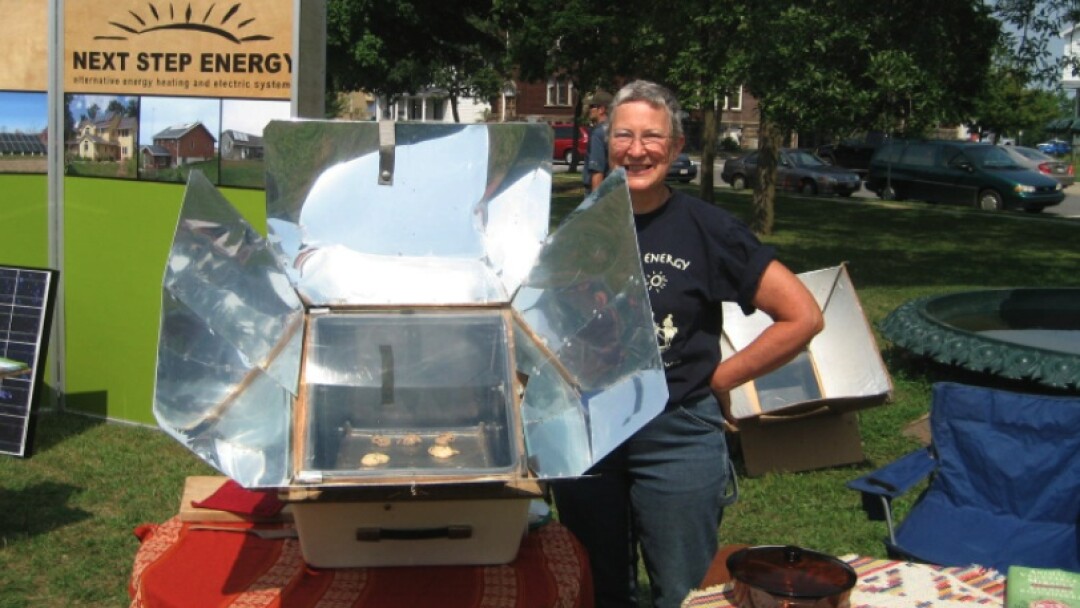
point(23, 112)
point(251, 116)
point(80, 103)
point(159, 113)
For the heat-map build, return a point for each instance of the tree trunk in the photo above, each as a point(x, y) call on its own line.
point(708, 153)
point(453, 108)
point(765, 188)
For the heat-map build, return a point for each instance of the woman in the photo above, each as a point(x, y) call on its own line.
point(664, 490)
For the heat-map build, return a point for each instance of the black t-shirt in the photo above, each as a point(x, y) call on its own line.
point(695, 256)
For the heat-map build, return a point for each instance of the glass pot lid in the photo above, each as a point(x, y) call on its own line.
point(789, 571)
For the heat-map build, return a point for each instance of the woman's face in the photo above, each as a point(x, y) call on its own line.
point(640, 141)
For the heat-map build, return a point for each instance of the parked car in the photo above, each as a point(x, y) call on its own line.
point(1030, 158)
point(564, 142)
point(965, 173)
point(683, 169)
point(796, 170)
point(1056, 147)
point(853, 153)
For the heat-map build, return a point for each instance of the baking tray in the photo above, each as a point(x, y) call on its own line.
point(465, 450)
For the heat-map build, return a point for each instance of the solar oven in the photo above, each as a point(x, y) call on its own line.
point(408, 354)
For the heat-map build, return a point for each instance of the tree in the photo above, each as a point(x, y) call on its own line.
point(475, 68)
point(472, 78)
point(701, 71)
point(823, 64)
point(1030, 26)
point(1007, 106)
point(797, 64)
point(587, 43)
point(392, 47)
point(115, 107)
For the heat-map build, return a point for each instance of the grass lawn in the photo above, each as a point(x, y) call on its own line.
point(67, 513)
point(243, 173)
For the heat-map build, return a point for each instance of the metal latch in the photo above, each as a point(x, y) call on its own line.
point(387, 142)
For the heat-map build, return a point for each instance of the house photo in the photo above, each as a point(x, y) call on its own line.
point(178, 135)
point(180, 145)
point(109, 138)
point(237, 145)
point(100, 135)
point(242, 148)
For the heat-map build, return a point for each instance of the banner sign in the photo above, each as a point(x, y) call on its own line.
point(25, 66)
point(194, 48)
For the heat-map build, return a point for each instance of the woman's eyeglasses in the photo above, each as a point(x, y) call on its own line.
point(622, 140)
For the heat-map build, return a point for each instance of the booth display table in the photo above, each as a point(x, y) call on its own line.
point(882, 584)
point(178, 565)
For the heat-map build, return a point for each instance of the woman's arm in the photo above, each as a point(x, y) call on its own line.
point(796, 320)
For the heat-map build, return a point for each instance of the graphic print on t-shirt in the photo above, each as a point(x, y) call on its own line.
point(656, 281)
point(665, 333)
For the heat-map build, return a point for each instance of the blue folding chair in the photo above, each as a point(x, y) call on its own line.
point(1004, 483)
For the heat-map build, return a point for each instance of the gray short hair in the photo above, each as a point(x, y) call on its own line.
point(657, 96)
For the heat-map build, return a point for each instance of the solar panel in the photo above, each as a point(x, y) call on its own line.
point(21, 143)
point(26, 302)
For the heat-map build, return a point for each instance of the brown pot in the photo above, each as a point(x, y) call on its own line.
point(777, 576)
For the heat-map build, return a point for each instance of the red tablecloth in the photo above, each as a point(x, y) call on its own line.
point(178, 567)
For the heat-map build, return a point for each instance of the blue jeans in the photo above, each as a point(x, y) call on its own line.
point(664, 490)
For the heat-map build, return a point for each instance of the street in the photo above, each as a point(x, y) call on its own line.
point(1069, 208)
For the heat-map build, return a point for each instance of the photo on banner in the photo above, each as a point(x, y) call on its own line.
point(24, 133)
point(99, 136)
point(178, 135)
point(242, 124)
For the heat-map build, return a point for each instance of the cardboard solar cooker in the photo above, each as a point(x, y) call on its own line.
point(408, 355)
point(803, 415)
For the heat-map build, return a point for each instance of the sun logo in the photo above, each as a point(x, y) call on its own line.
point(657, 281)
point(210, 23)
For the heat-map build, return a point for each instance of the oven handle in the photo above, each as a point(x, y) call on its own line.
point(375, 535)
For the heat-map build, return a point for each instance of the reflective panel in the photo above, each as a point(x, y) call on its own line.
point(553, 416)
point(840, 369)
point(223, 270)
point(229, 347)
point(230, 414)
point(461, 222)
point(585, 303)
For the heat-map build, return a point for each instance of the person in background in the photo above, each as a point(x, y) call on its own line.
point(664, 490)
point(596, 159)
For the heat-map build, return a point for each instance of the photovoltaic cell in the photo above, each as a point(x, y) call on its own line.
point(21, 143)
point(26, 299)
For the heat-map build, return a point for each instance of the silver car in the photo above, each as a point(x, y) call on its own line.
point(796, 170)
point(1030, 158)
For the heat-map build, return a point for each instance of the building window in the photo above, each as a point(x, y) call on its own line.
point(560, 93)
point(734, 103)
